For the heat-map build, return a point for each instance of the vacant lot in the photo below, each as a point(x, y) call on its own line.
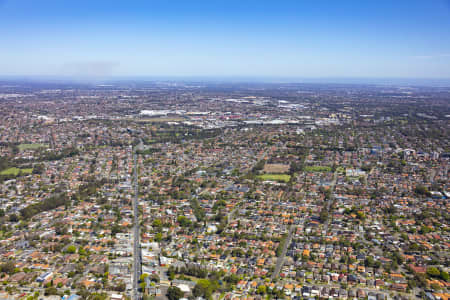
point(31, 146)
point(275, 177)
point(15, 171)
point(276, 168)
point(317, 169)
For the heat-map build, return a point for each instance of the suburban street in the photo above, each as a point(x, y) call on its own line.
point(280, 260)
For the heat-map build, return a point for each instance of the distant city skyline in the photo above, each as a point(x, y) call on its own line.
point(226, 39)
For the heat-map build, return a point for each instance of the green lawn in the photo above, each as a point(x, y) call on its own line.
point(275, 177)
point(15, 171)
point(317, 169)
point(31, 146)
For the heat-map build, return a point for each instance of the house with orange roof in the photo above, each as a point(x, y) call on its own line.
point(87, 283)
point(241, 284)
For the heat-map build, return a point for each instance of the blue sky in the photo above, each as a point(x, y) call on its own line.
point(408, 39)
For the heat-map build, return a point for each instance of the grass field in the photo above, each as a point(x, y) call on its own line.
point(15, 171)
point(275, 177)
point(317, 169)
point(31, 146)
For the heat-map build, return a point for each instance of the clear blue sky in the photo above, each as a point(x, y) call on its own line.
point(310, 38)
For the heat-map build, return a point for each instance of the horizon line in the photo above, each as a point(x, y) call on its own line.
point(417, 81)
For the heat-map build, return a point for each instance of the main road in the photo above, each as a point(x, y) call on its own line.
point(137, 254)
point(327, 204)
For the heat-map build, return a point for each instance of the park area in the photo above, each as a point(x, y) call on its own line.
point(15, 171)
point(317, 169)
point(275, 177)
point(23, 147)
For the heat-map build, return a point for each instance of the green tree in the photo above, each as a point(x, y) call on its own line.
point(433, 271)
point(51, 291)
point(174, 293)
point(142, 285)
point(158, 237)
point(82, 251)
point(8, 267)
point(262, 290)
point(71, 249)
point(157, 223)
point(13, 218)
point(323, 215)
point(369, 262)
point(184, 222)
point(445, 276)
point(205, 288)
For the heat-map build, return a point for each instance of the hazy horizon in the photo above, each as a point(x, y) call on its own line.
point(431, 82)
